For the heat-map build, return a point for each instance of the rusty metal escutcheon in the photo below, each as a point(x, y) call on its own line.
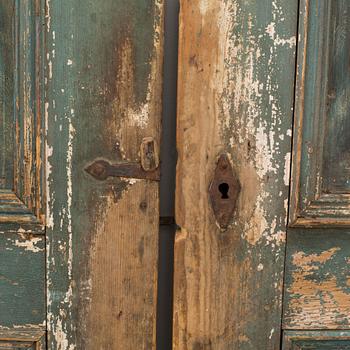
point(148, 168)
point(224, 191)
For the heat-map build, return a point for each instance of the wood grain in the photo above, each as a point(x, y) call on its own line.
point(235, 96)
point(104, 71)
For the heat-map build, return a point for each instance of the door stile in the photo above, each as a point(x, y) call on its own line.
point(103, 106)
point(235, 102)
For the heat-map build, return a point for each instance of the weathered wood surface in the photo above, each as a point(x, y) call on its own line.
point(317, 293)
point(235, 96)
point(104, 65)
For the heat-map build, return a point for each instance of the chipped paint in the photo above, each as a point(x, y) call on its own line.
point(317, 283)
point(271, 31)
point(29, 244)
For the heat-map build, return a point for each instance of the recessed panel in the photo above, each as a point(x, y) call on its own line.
point(336, 154)
point(320, 194)
point(21, 122)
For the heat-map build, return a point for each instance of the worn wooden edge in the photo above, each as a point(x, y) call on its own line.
point(315, 335)
point(14, 212)
point(22, 334)
point(22, 228)
point(309, 222)
point(24, 337)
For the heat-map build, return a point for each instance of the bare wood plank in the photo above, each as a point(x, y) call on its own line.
point(104, 97)
point(236, 69)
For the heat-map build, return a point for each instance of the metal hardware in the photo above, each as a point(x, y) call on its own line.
point(147, 169)
point(224, 191)
point(149, 154)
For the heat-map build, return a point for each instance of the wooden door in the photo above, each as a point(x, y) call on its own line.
point(245, 278)
point(80, 129)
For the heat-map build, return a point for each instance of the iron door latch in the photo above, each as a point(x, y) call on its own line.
point(148, 168)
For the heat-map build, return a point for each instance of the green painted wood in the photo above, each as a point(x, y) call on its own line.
point(22, 281)
point(103, 97)
point(316, 340)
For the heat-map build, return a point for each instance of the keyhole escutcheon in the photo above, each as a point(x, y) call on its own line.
point(224, 191)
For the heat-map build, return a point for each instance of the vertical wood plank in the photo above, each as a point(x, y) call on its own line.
point(235, 96)
point(104, 66)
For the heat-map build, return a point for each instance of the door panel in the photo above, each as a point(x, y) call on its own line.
point(104, 62)
point(317, 294)
point(320, 190)
point(235, 98)
point(22, 200)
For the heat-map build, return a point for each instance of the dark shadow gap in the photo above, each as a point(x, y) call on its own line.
point(167, 181)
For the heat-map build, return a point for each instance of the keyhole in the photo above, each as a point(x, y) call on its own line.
point(224, 188)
